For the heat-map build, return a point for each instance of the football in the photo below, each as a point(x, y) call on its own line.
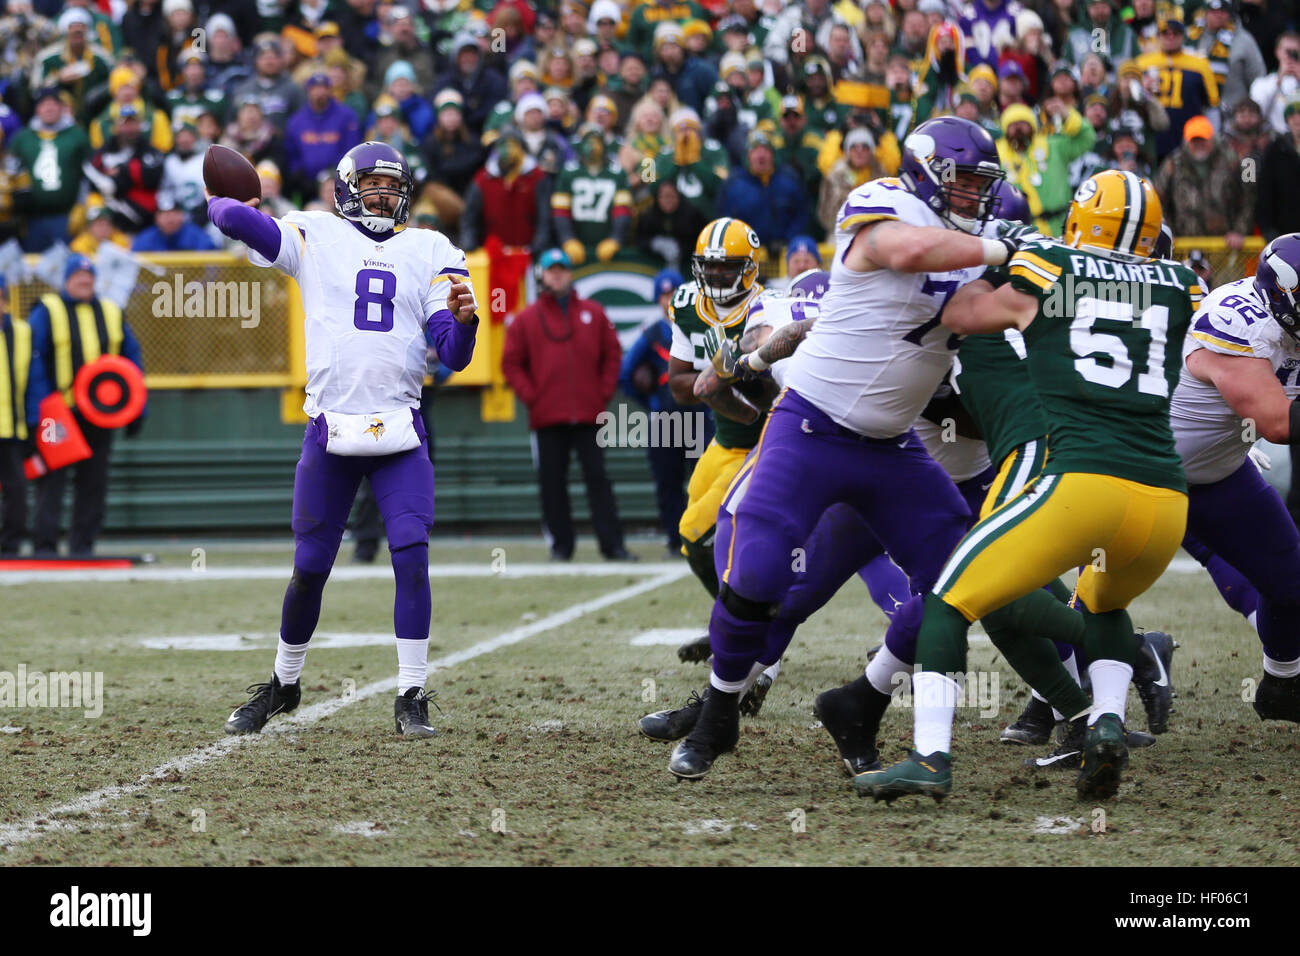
point(227, 173)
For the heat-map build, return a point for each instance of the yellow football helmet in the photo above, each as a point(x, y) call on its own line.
point(1114, 213)
point(723, 265)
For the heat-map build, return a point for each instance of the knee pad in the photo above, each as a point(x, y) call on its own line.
point(745, 609)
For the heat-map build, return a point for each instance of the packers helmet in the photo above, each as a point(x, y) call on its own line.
point(723, 265)
point(1115, 213)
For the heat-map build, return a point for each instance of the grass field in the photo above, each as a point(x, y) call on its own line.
point(539, 761)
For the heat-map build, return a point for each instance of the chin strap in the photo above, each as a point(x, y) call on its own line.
point(378, 223)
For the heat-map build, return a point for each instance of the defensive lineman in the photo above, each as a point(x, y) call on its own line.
point(371, 293)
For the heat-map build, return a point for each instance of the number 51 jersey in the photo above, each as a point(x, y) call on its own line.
point(877, 352)
point(366, 303)
point(1104, 354)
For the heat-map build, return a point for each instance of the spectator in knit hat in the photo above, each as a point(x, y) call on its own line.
point(668, 229)
point(276, 93)
point(691, 78)
point(252, 135)
point(1201, 190)
point(226, 66)
point(562, 113)
point(480, 88)
point(77, 65)
point(1012, 85)
point(770, 198)
point(389, 126)
point(697, 166)
point(317, 136)
point(545, 146)
point(273, 202)
point(124, 86)
point(858, 165)
point(586, 72)
point(399, 83)
point(452, 156)
point(799, 147)
point(603, 22)
point(406, 48)
point(523, 79)
point(1037, 161)
point(1134, 107)
point(1233, 53)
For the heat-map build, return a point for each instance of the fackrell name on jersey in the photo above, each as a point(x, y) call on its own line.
point(1095, 267)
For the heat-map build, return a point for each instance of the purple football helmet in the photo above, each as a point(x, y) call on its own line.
point(1010, 203)
point(1277, 281)
point(810, 284)
point(940, 150)
point(361, 161)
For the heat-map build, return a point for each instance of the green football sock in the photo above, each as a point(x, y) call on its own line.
point(941, 644)
point(1109, 636)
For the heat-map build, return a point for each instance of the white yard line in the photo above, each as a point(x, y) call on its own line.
point(483, 569)
point(35, 826)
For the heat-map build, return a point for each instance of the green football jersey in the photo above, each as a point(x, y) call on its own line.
point(695, 339)
point(1105, 351)
point(590, 199)
point(993, 382)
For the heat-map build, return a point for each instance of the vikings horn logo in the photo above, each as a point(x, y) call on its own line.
point(376, 428)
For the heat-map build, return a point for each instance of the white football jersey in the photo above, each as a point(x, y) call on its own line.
point(366, 303)
point(962, 458)
point(1232, 320)
point(878, 352)
point(778, 311)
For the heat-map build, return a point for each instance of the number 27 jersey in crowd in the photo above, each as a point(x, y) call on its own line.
point(366, 302)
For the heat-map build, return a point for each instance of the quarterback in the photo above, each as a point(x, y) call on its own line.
point(372, 293)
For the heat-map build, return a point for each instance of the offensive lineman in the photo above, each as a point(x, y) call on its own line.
point(371, 292)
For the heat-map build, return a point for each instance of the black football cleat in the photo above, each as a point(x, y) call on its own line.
point(1136, 739)
point(266, 701)
point(752, 702)
point(1152, 677)
point(411, 713)
point(695, 652)
point(1033, 727)
point(1068, 753)
point(851, 715)
point(716, 733)
point(1278, 698)
point(673, 724)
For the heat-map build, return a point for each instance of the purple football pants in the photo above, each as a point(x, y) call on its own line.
point(1245, 522)
point(804, 465)
point(323, 491)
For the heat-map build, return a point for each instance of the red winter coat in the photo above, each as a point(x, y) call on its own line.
point(510, 212)
point(562, 364)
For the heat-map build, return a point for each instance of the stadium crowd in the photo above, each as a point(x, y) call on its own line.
point(616, 130)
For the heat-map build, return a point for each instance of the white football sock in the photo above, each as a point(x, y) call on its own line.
point(289, 659)
point(1282, 668)
point(882, 670)
point(412, 664)
point(736, 687)
point(1110, 680)
point(772, 671)
point(1252, 619)
point(1056, 714)
point(934, 704)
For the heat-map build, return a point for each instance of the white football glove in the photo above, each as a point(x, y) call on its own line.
point(1259, 458)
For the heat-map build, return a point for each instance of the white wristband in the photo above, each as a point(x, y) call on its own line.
point(995, 253)
point(755, 361)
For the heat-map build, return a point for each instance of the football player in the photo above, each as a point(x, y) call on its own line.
point(1239, 379)
point(1111, 498)
point(841, 432)
point(371, 291)
point(714, 306)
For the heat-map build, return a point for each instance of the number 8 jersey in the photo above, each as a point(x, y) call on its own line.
point(1104, 354)
point(1212, 439)
point(366, 302)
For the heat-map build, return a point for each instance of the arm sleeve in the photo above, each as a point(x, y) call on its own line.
point(277, 242)
point(453, 341)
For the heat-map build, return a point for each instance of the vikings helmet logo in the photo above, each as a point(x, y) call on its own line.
point(376, 428)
